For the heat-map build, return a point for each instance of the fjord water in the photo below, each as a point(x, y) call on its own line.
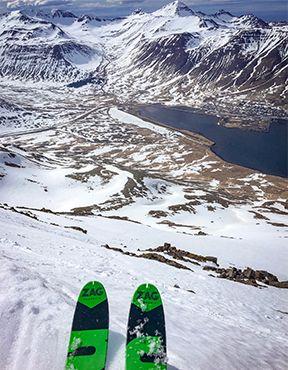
point(262, 151)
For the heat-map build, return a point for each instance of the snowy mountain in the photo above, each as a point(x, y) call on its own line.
point(34, 49)
point(198, 53)
point(176, 8)
point(188, 53)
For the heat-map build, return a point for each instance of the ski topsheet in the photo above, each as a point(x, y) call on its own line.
point(146, 335)
point(89, 336)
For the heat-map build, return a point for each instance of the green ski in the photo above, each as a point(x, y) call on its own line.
point(89, 336)
point(146, 335)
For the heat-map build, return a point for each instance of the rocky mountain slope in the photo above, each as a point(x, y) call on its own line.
point(175, 53)
point(34, 49)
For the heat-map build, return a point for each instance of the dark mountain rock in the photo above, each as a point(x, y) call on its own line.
point(169, 52)
point(62, 13)
point(88, 18)
point(252, 21)
point(49, 62)
point(222, 12)
point(248, 276)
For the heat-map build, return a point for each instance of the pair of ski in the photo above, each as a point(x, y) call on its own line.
point(146, 336)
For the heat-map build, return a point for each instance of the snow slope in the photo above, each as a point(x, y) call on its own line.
point(43, 267)
point(47, 255)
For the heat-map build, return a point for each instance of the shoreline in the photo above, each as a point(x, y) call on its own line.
point(133, 109)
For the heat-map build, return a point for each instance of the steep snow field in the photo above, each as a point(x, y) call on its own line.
point(43, 267)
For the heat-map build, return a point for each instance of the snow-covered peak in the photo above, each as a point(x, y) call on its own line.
point(17, 15)
point(175, 8)
point(19, 28)
point(58, 13)
point(223, 12)
point(88, 18)
point(223, 15)
point(252, 21)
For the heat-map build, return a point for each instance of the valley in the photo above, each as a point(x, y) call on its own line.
point(92, 187)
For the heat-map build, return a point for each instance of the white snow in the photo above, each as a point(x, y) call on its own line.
point(130, 119)
point(43, 268)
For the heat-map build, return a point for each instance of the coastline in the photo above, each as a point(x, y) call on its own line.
point(133, 109)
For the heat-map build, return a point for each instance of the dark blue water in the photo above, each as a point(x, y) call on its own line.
point(262, 151)
point(86, 81)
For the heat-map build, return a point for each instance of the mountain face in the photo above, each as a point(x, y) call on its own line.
point(183, 51)
point(34, 49)
point(176, 8)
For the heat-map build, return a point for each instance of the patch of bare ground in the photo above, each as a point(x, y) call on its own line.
point(277, 224)
point(158, 214)
point(259, 216)
point(271, 207)
point(182, 255)
point(77, 228)
point(10, 164)
point(116, 202)
point(173, 224)
point(150, 256)
point(27, 213)
point(124, 218)
point(33, 181)
point(99, 171)
point(84, 211)
point(133, 188)
point(186, 207)
point(30, 214)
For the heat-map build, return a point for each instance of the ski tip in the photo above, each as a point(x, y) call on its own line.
point(92, 294)
point(147, 297)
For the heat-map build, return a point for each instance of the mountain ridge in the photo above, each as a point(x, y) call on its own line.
point(199, 52)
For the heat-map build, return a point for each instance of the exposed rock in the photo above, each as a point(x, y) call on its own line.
point(280, 284)
point(158, 214)
point(249, 273)
point(151, 256)
point(77, 228)
point(201, 233)
point(10, 164)
point(182, 255)
point(159, 258)
point(248, 276)
point(119, 250)
point(212, 259)
point(265, 277)
point(232, 273)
